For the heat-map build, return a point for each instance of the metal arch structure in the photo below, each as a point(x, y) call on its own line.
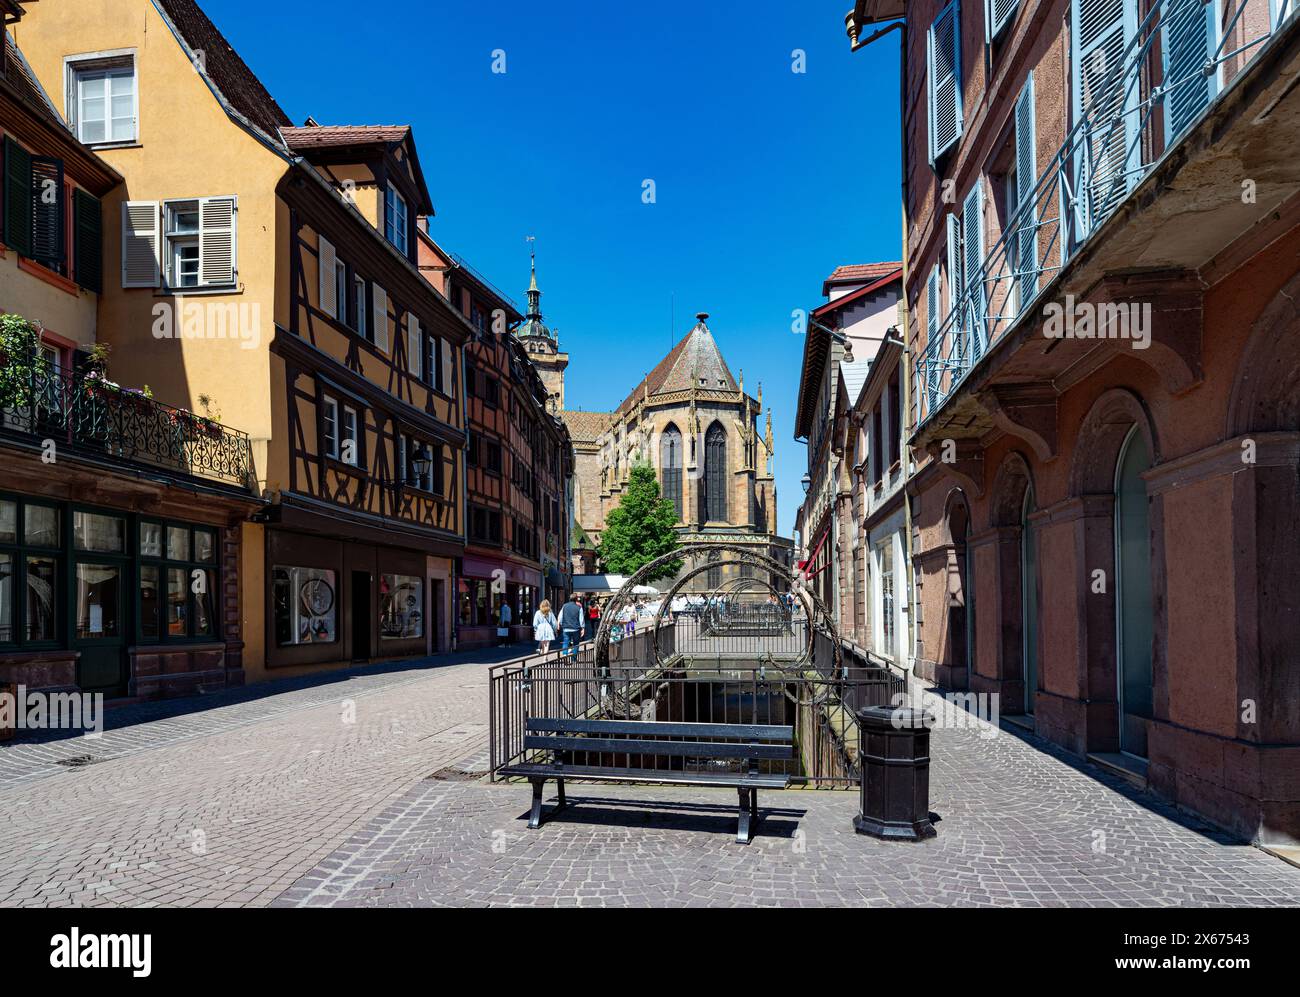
point(815, 611)
point(716, 612)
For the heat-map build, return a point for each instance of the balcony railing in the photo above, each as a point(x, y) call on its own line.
point(1141, 98)
point(85, 415)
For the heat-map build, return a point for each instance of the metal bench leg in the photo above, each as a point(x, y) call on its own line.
point(743, 833)
point(753, 808)
point(563, 803)
point(535, 818)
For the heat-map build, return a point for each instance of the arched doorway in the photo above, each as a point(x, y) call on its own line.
point(1133, 617)
point(958, 649)
point(1029, 599)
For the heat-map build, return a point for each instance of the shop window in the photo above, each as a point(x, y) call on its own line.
point(305, 605)
point(178, 584)
point(401, 601)
point(98, 533)
point(30, 572)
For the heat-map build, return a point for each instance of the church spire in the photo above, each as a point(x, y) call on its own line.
point(534, 293)
point(533, 330)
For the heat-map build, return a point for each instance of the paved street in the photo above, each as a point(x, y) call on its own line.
point(262, 799)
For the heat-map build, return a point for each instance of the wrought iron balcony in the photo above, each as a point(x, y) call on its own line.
point(87, 415)
point(1141, 99)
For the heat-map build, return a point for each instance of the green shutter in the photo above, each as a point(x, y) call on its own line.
point(18, 198)
point(88, 240)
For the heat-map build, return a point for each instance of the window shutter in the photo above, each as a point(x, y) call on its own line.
point(1025, 251)
point(932, 305)
point(49, 213)
point(88, 240)
point(944, 57)
point(997, 15)
point(414, 341)
point(955, 287)
point(972, 228)
point(448, 386)
point(18, 198)
point(380, 299)
point(1188, 46)
point(140, 224)
point(1101, 32)
point(326, 261)
point(217, 240)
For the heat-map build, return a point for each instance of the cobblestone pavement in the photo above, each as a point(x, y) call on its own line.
point(231, 803)
point(266, 795)
point(1019, 826)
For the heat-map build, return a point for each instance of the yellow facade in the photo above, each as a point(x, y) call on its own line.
point(259, 353)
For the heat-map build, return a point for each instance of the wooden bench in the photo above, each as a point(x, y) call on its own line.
point(750, 743)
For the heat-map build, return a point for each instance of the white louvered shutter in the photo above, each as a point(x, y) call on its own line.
point(414, 343)
point(217, 240)
point(141, 222)
point(1025, 250)
point(328, 286)
point(972, 265)
point(944, 57)
point(997, 15)
point(1188, 45)
point(1101, 31)
point(449, 379)
point(380, 300)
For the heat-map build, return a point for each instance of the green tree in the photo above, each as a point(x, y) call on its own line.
point(641, 528)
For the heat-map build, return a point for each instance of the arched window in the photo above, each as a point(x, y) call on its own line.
point(715, 474)
point(670, 463)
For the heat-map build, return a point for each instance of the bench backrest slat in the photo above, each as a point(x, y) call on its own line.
point(653, 728)
point(637, 746)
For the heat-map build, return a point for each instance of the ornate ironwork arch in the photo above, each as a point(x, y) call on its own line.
point(771, 572)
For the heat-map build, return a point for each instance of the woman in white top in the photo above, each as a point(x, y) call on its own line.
point(544, 625)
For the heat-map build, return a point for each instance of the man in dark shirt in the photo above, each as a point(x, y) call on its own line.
point(571, 624)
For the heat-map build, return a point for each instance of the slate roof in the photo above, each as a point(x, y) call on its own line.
point(227, 71)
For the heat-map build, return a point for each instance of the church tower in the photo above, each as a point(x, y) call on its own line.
point(543, 346)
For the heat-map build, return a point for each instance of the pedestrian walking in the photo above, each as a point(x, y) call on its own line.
point(593, 617)
point(505, 615)
point(544, 625)
point(571, 624)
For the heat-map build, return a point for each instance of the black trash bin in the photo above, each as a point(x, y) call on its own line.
point(895, 752)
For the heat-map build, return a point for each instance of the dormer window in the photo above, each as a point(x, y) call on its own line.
point(395, 219)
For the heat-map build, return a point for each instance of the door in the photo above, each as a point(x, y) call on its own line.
point(435, 615)
point(1029, 600)
point(1133, 595)
point(99, 594)
point(361, 613)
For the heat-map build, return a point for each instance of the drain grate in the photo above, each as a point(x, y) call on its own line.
point(77, 761)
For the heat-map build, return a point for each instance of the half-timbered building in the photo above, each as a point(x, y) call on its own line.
point(518, 461)
point(268, 273)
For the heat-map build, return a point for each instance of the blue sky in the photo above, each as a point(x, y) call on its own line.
point(765, 179)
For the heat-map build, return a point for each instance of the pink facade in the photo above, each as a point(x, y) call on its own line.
point(1106, 529)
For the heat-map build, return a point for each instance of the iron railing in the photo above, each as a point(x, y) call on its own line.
point(818, 702)
point(86, 415)
point(1142, 96)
